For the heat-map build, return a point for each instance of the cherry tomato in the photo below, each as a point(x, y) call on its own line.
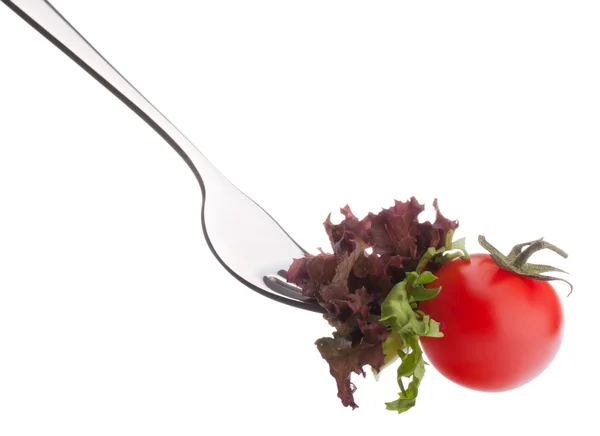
point(501, 330)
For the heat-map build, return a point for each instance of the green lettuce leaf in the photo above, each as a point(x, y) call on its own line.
point(399, 316)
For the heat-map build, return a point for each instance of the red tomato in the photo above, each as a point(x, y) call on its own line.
point(501, 330)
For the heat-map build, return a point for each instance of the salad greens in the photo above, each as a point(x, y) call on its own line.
point(369, 287)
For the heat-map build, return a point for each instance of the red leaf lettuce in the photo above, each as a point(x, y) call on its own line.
point(352, 282)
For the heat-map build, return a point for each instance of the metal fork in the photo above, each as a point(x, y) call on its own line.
point(257, 253)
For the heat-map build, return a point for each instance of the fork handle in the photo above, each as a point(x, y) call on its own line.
point(44, 18)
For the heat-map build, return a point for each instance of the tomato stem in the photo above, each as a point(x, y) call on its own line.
point(516, 261)
point(535, 246)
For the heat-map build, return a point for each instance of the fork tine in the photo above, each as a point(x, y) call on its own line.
point(282, 287)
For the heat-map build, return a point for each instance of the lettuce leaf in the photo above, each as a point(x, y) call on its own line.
point(398, 315)
point(369, 257)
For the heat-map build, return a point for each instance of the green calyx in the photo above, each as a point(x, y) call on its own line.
point(405, 323)
point(516, 261)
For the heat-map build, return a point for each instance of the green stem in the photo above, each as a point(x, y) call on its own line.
point(516, 261)
point(449, 239)
point(429, 254)
point(535, 246)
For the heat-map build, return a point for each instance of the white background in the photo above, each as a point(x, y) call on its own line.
point(114, 317)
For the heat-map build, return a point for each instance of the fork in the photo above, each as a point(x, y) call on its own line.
point(256, 254)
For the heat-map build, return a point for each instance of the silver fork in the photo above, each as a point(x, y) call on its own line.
point(258, 253)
